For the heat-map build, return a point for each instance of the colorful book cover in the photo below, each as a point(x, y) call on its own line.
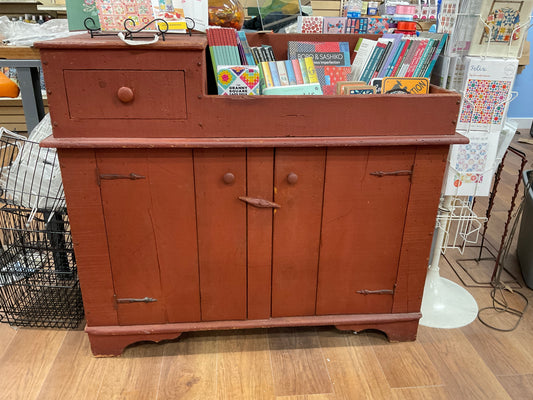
point(238, 80)
point(336, 74)
point(417, 56)
point(112, 13)
point(424, 59)
point(361, 58)
point(394, 59)
point(249, 58)
point(407, 58)
point(498, 32)
point(396, 41)
point(310, 24)
point(267, 76)
point(471, 166)
point(323, 53)
point(311, 71)
point(435, 56)
point(274, 72)
point(372, 62)
point(290, 72)
point(378, 25)
point(282, 72)
point(303, 70)
point(366, 89)
point(394, 85)
point(486, 93)
point(382, 59)
point(297, 71)
point(399, 60)
point(334, 24)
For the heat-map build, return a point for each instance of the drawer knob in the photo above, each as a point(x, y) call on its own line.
point(228, 178)
point(292, 178)
point(125, 94)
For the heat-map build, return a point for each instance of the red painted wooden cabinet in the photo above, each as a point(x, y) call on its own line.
point(192, 211)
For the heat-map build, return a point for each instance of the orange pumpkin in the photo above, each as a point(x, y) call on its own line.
point(8, 88)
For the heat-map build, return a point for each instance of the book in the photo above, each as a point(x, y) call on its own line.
point(426, 57)
point(238, 80)
point(486, 93)
point(297, 71)
point(372, 62)
point(396, 41)
point(290, 72)
point(434, 57)
point(334, 74)
point(310, 24)
point(264, 69)
point(364, 52)
point(311, 71)
point(341, 85)
point(248, 56)
point(496, 33)
point(258, 57)
point(361, 89)
point(404, 85)
point(268, 52)
point(282, 72)
point(406, 61)
point(323, 53)
point(392, 62)
point(295, 90)
point(417, 56)
point(274, 73)
point(382, 58)
point(303, 70)
point(334, 25)
point(401, 55)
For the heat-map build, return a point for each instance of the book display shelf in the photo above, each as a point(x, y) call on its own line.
point(193, 211)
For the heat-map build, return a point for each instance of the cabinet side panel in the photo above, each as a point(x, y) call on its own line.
point(221, 219)
point(260, 170)
point(362, 228)
point(78, 170)
point(430, 164)
point(174, 224)
point(130, 233)
point(296, 236)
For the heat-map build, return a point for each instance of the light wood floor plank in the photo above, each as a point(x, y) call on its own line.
point(7, 333)
point(27, 361)
point(328, 396)
point(420, 393)
point(75, 373)
point(463, 371)
point(353, 366)
point(518, 386)
point(134, 375)
point(298, 365)
point(189, 368)
point(243, 366)
point(406, 365)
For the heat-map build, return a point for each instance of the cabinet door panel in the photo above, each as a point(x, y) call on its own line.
point(151, 233)
point(221, 219)
point(362, 228)
point(296, 235)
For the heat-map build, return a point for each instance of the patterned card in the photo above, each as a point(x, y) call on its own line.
point(238, 80)
point(310, 24)
point(113, 13)
point(486, 93)
point(334, 24)
point(378, 25)
point(471, 166)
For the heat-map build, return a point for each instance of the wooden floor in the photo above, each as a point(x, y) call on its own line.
point(472, 362)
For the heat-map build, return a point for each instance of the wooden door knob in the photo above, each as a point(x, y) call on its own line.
point(125, 94)
point(292, 178)
point(228, 178)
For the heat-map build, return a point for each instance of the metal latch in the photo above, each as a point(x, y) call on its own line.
point(382, 291)
point(381, 174)
point(143, 300)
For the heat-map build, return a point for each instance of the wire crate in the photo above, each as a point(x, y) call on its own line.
point(39, 284)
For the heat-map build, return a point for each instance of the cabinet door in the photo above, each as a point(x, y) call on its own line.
point(362, 227)
point(220, 179)
point(298, 189)
point(149, 207)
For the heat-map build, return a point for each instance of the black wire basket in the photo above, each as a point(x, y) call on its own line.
point(39, 284)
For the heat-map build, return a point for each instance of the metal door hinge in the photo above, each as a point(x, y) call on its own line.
point(131, 176)
point(143, 300)
point(382, 291)
point(381, 174)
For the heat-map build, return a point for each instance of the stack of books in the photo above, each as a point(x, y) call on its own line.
point(297, 77)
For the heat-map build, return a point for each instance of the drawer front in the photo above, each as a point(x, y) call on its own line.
point(125, 94)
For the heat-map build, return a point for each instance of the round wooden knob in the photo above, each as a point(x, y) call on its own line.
point(125, 94)
point(228, 178)
point(292, 178)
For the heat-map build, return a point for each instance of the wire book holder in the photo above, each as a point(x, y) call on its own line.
point(518, 28)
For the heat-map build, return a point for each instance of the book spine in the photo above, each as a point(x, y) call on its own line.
point(372, 62)
point(257, 55)
point(274, 72)
point(417, 56)
point(311, 71)
point(390, 57)
point(290, 72)
point(426, 58)
point(282, 72)
point(246, 48)
point(303, 69)
point(381, 60)
point(394, 59)
point(297, 71)
point(401, 58)
point(268, 52)
point(361, 58)
point(436, 54)
point(267, 76)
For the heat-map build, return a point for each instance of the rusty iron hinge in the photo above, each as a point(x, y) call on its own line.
point(381, 174)
point(132, 176)
point(382, 291)
point(143, 300)
point(260, 203)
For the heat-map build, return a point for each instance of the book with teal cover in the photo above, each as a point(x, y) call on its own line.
point(438, 50)
point(427, 51)
point(372, 62)
point(274, 72)
point(290, 72)
point(295, 90)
